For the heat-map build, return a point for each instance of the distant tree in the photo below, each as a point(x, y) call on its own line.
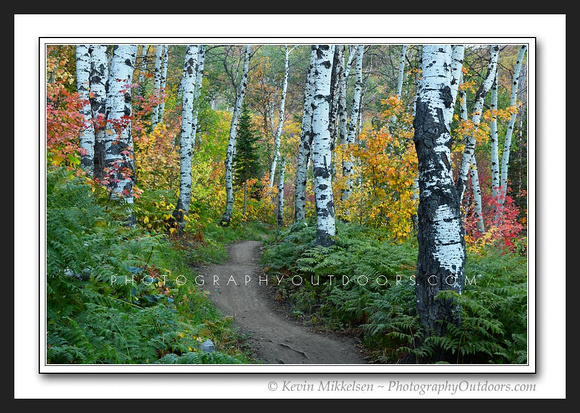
point(246, 165)
point(231, 151)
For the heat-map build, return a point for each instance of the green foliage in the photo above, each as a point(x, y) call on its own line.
point(113, 293)
point(366, 285)
point(246, 162)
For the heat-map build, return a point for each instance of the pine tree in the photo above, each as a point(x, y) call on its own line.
point(246, 165)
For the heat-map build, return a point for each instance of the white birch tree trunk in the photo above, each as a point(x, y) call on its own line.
point(401, 71)
point(510, 128)
point(98, 84)
point(185, 140)
point(87, 133)
point(118, 141)
point(470, 141)
point(457, 54)
point(304, 149)
point(342, 106)
point(278, 135)
point(335, 90)
point(494, 142)
point(441, 255)
point(347, 163)
point(198, 85)
point(280, 207)
point(231, 151)
point(164, 63)
point(321, 142)
point(157, 85)
point(474, 173)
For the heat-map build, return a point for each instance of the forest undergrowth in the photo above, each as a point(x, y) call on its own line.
point(122, 295)
point(364, 285)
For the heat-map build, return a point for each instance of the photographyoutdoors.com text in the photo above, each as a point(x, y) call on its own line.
point(297, 280)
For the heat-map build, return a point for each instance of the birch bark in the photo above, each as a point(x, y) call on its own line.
point(510, 128)
point(118, 141)
point(98, 98)
point(304, 149)
point(321, 143)
point(278, 135)
point(87, 133)
point(198, 85)
point(185, 141)
point(156, 85)
point(441, 256)
point(280, 208)
point(347, 163)
point(240, 94)
point(476, 117)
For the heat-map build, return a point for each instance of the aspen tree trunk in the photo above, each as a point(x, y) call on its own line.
point(198, 85)
point(185, 140)
point(476, 117)
point(157, 85)
point(457, 54)
point(321, 141)
point(336, 85)
point(441, 255)
point(118, 141)
point(142, 69)
point(278, 135)
point(304, 148)
point(98, 84)
point(164, 63)
point(347, 163)
point(240, 94)
point(280, 208)
point(401, 71)
point(494, 141)
point(87, 133)
point(342, 107)
point(510, 128)
point(474, 174)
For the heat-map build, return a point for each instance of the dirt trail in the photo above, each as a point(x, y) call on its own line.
point(235, 289)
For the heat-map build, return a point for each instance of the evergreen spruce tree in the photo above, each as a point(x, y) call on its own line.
point(246, 165)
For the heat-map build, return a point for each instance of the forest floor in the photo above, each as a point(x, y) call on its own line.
point(239, 290)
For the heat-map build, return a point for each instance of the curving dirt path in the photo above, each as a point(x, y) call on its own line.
point(236, 290)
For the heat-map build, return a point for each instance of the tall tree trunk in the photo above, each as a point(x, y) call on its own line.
point(118, 141)
point(401, 71)
point(280, 208)
point(470, 141)
point(240, 94)
point(278, 135)
point(321, 142)
point(494, 141)
point(185, 141)
point(98, 98)
point(305, 146)
point(164, 64)
point(87, 133)
point(198, 85)
point(510, 128)
point(336, 86)
point(342, 106)
point(347, 163)
point(157, 85)
point(441, 255)
point(474, 173)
